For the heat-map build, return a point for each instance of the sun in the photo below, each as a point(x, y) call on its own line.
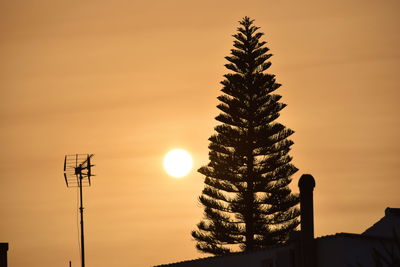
point(178, 163)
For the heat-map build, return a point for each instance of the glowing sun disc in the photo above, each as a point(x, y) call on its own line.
point(177, 163)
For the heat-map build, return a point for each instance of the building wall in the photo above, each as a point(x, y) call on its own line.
point(348, 251)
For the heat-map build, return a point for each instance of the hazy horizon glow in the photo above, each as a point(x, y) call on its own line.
point(129, 80)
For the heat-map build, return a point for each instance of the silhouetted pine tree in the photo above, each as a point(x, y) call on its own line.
point(246, 198)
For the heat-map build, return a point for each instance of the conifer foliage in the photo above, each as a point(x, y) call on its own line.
point(246, 197)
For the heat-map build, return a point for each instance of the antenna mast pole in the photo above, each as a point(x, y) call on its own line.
point(77, 173)
point(82, 232)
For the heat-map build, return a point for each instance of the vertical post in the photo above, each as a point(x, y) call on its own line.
point(81, 210)
point(3, 254)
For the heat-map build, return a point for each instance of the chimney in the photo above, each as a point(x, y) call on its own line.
point(306, 185)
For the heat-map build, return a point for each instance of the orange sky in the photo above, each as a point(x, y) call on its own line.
point(129, 80)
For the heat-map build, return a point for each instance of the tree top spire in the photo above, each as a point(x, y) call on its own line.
point(246, 21)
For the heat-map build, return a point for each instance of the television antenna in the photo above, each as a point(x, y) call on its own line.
point(77, 173)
